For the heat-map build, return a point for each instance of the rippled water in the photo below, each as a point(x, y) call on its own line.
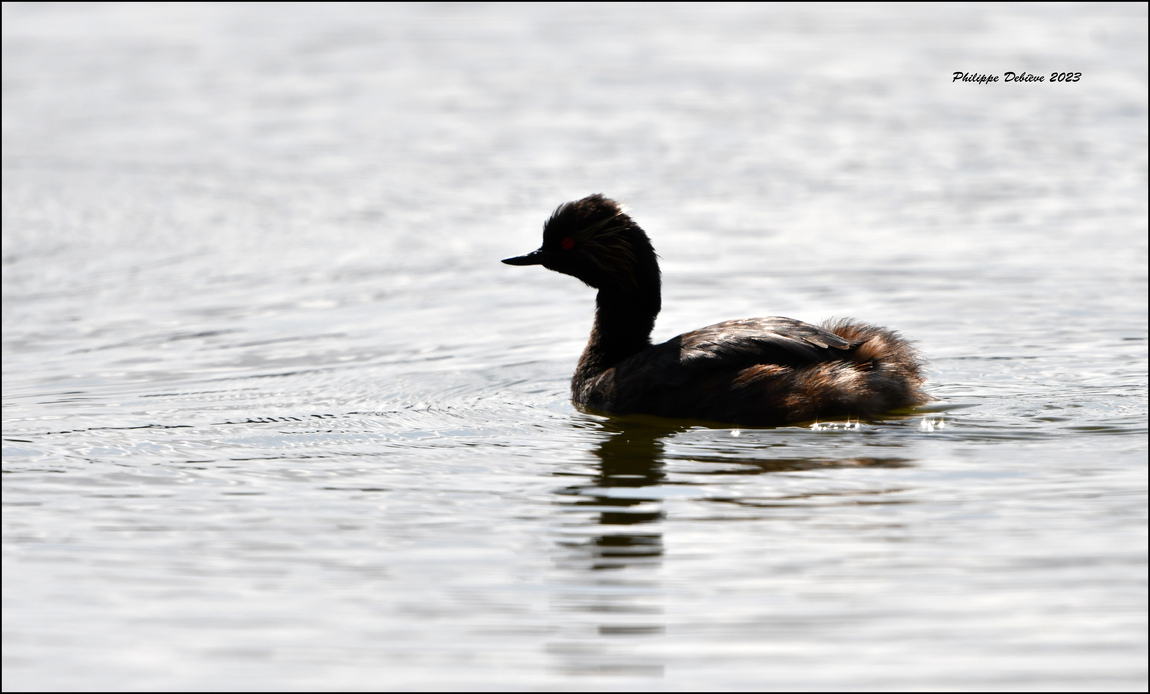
point(275, 416)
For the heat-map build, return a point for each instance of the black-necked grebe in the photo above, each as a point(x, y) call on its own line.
point(757, 372)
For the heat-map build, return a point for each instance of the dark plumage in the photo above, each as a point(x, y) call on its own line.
point(757, 371)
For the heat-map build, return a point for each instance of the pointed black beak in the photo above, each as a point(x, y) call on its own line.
point(532, 258)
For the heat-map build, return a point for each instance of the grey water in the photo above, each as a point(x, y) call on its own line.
point(276, 417)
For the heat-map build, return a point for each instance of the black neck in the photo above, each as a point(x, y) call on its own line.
point(623, 323)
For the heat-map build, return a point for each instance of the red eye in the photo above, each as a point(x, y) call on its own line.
point(567, 243)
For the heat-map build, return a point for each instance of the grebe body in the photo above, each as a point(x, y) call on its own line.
point(756, 372)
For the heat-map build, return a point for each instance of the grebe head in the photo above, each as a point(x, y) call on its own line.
point(595, 241)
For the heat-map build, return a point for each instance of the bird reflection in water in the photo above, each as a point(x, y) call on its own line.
point(611, 544)
point(630, 458)
point(614, 550)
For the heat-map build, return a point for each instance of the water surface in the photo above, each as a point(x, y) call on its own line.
point(276, 417)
